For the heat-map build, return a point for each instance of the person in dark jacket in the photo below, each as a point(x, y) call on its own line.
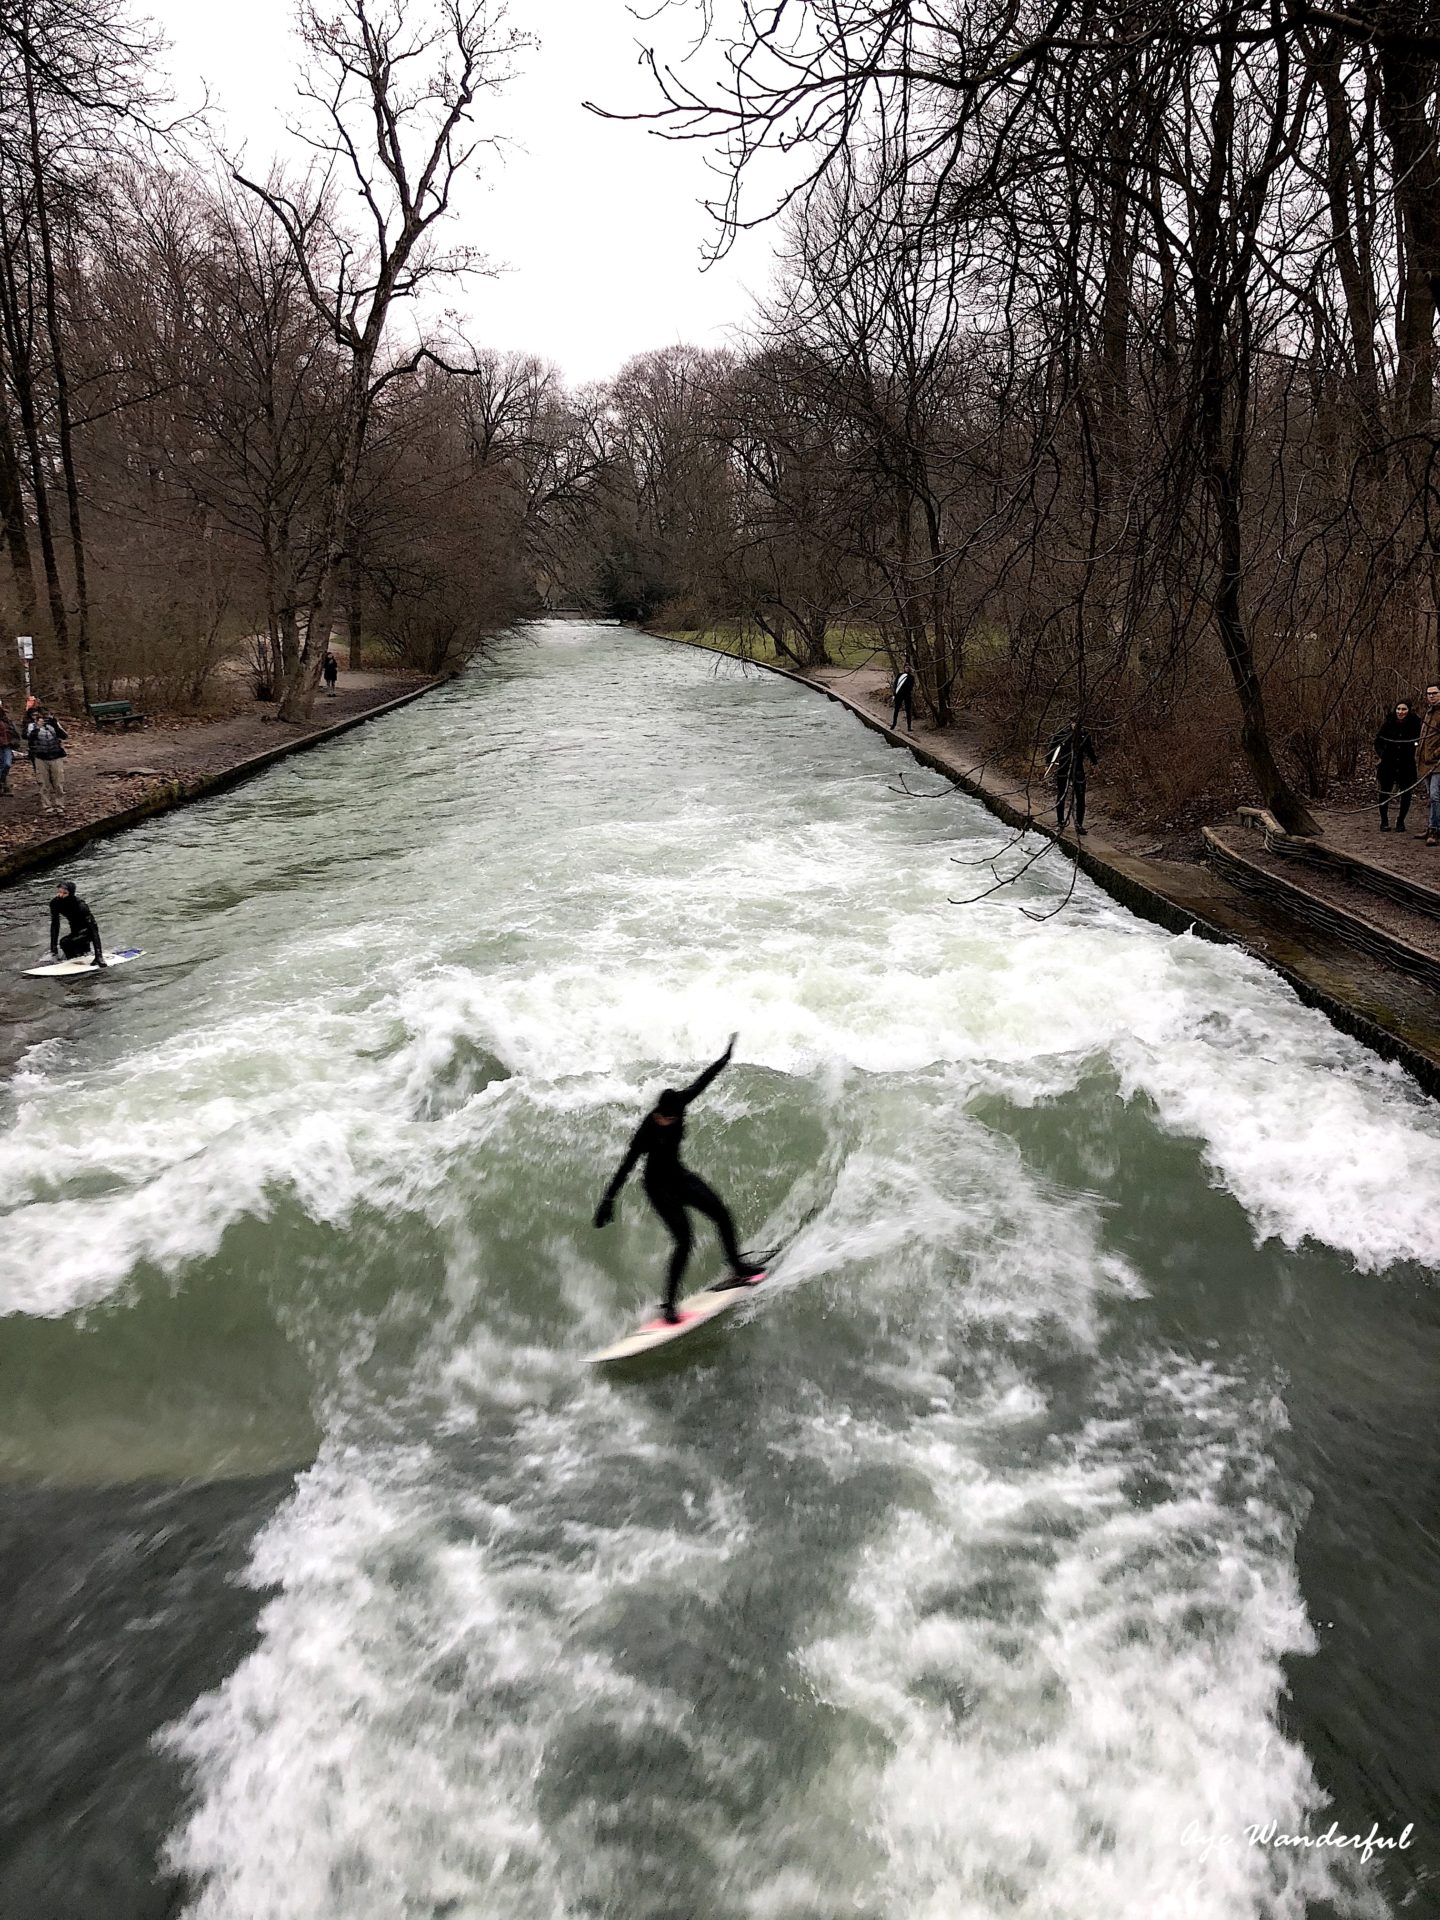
point(902, 696)
point(9, 745)
point(1070, 748)
point(331, 670)
point(672, 1188)
point(47, 757)
point(1395, 762)
point(68, 906)
point(1427, 761)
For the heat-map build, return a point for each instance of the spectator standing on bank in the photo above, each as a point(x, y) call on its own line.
point(9, 743)
point(1395, 762)
point(1427, 761)
point(902, 695)
point(331, 671)
point(47, 758)
point(1070, 748)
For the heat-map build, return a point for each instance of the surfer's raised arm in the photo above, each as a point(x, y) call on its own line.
point(712, 1072)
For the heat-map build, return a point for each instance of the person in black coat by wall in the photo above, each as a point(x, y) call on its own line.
point(1395, 761)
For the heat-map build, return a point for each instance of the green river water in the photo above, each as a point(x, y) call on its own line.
point(1058, 1532)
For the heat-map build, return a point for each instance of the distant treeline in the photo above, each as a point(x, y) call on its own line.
point(1103, 377)
point(210, 440)
point(1099, 378)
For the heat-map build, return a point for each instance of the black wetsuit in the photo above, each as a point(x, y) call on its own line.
point(83, 930)
point(903, 695)
point(671, 1188)
point(1070, 749)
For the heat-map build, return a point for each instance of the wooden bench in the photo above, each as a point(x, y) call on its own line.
point(116, 713)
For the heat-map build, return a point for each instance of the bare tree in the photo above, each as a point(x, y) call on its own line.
point(72, 78)
point(393, 88)
point(1145, 167)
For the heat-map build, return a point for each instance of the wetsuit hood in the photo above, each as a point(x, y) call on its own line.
point(671, 1102)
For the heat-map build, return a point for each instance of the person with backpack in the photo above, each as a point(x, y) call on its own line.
point(47, 757)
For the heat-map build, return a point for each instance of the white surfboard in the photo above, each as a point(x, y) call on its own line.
point(697, 1311)
point(72, 969)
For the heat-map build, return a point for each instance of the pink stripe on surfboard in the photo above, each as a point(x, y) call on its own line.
point(656, 1326)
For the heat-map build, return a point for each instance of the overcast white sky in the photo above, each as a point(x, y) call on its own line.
point(597, 221)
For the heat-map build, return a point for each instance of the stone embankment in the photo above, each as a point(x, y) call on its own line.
point(1351, 921)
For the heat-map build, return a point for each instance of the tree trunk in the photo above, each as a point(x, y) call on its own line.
point(1275, 789)
point(1223, 366)
point(817, 653)
point(1405, 86)
point(12, 512)
point(54, 590)
point(355, 656)
point(61, 381)
point(299, 697)
point(17, 339)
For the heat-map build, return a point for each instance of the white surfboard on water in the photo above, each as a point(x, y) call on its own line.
point(698, 1311)
point(72, 969)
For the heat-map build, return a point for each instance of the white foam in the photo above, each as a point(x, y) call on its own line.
point(1072, 1684)
point(1034, 1677)
point(1312, 1137)
point(1315, 1138)
point(380, 1751)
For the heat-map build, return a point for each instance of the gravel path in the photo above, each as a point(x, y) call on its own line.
point(108, 771)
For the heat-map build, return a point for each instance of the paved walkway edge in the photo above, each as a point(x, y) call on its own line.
point(178, 793)
point(1135, 884)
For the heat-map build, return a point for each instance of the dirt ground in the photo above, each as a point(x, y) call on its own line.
point(109, 771)
point(1356, 831)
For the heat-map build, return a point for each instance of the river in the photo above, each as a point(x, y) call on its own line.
point(1055, 1535)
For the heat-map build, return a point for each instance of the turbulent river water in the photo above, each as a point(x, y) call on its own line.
point(1056, 1535)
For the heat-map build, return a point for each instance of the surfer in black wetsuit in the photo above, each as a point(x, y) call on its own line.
point(671, 1188)
point(1070, 748)
point(67, 905)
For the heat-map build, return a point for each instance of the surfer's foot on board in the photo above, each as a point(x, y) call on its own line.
point(744, 1274)
point(669, 1313)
